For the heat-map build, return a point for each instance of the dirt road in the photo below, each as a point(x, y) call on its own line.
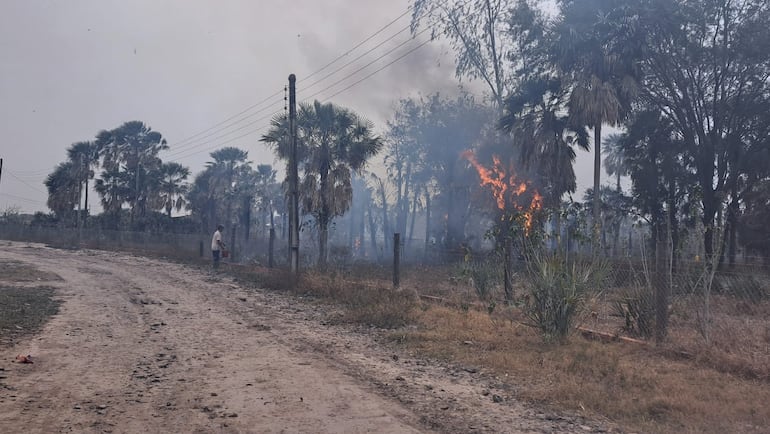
point(146, 346)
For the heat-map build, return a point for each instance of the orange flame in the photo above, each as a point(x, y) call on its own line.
point(506, 189)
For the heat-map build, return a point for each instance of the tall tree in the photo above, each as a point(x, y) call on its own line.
point(477, 33)
point(133, 148)
point(404, 158)
point(591, 51)
point(663, 185)
point(705, 68)
point(615, 164)
point(332, 142)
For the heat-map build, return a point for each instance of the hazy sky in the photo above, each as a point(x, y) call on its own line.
point(69, 68)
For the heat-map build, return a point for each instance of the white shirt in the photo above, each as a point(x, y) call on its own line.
point(215, 240)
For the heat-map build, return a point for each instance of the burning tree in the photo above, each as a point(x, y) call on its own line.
point(517, 204)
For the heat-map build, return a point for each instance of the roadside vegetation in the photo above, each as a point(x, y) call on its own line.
point(675, 387)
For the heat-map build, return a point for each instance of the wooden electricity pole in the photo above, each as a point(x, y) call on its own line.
point(293, 181)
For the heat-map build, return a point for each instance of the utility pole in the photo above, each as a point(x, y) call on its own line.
point(293, 182)
point(1, 169)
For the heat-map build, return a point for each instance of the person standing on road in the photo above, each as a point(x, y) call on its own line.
point(217, 246)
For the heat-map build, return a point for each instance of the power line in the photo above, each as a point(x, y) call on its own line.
point(370, 64)
point(231, 117)
point(24, 199)
point(219, 143)
point(429, 27)
point(380, 69)
point(369, 38)
point(178, 152)
point(354, 60)
point(25, 183)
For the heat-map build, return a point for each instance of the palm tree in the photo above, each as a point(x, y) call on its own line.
point(228, 163)
point(63, 190)
point(172, 187)
point(332, 142)
point(202, 200)
point(114, 187)
point(615, 163)
point(133, 148)
point(84, 157)
point(592, 53)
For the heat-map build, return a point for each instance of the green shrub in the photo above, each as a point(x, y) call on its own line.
point(557, 292)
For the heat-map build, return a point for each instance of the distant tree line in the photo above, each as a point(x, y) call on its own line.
point(685, 82)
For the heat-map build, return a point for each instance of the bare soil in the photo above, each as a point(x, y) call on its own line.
point(143, 345)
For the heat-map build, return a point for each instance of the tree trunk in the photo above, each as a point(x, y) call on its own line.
point(323, 237)
point(86, 203)
point(385, 224)
point(247, 219)
point(732, 226)
point(597, 214)
point(414, 216)
point(507, 272)
point(373, 232)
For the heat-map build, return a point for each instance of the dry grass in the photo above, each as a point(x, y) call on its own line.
point(641, 387)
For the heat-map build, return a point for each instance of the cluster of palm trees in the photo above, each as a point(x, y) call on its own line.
point(135, 185)
point(229, 191)
point(132, 173)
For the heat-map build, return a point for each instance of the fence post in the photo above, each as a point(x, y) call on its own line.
point(661, 290)
point(271, 245)
point(396, 260)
